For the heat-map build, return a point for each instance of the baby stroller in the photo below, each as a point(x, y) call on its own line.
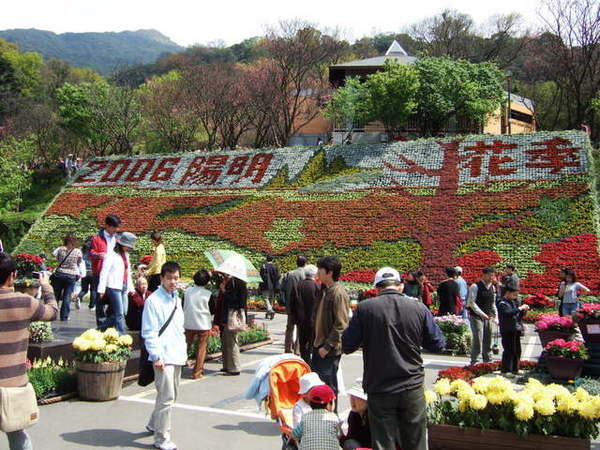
point(284, 384)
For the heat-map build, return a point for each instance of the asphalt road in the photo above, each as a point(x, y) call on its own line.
point(210, 413)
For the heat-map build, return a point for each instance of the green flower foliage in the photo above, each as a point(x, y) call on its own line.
point(284, 232)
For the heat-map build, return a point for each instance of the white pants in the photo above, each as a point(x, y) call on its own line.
point(167, 385)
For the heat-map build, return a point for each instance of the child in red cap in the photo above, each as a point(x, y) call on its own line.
point(319, 428)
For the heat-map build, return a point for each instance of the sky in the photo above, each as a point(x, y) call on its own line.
point(189, 22)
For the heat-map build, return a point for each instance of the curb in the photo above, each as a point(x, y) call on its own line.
point(132, 378)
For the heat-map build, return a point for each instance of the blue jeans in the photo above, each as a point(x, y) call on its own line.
point(64, 285)
point(95, 300)
point(116, 318)
point(568, 309)
point(19, 440)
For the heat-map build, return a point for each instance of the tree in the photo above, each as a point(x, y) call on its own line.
point(456, 89)
point(169, 123)
point(391, 95)
point(298, 54)
point(16, 178)
point(349, 104)
point(448, 34)
point(574, 56)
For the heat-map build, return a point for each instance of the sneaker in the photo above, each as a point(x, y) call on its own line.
point(78, 304)
point(167, 445)
point(93, 308)
point(149, 429)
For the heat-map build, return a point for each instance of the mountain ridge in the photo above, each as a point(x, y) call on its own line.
point(104, 52)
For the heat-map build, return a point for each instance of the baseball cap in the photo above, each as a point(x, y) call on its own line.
point(309, 381)
point(458, 269)
point(357, 390)
point(385, 274)
point(321, 394)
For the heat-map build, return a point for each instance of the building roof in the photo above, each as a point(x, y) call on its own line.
point(395, 52)
point(523, 101)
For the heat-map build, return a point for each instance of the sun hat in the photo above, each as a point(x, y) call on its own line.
point(309, 381)
point(321, 394)
point(310, 270)
point(127, 239)
point(385, 274)
point(357, 390)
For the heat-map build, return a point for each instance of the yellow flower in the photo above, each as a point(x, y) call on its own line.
point(581, 394)
point(533, 383)
point(91, 335)
point(442, 387)
point(463, 405)
point(478, 402)
point(587, 410)
point(457, 385)
point(126, 340)
point(480, 385)
point(430, 397)
point(523, 411)
point(111, 335)
point(77, 343)
point(567, 403)
point(465, 392)
point(499, 384)
point(545, 407)
point(495, 398)
point(97, 345)
point(110, 348)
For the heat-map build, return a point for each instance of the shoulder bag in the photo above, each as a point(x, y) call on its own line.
point(18, 408)
point(236, 320)
point(53, 276)
point(146, 371)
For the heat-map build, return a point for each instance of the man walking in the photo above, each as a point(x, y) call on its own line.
point(482, 310)
point(391, 328)
point(288, 288)
point(308, 293)
point(17, 312)
point(102, 244)
point(168, 351)
point(331, 319)
point(269, 273)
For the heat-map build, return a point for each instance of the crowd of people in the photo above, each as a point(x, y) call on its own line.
point(388, 407)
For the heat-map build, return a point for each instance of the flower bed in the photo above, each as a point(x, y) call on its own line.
point(494, 404)
point(539, 301)
point(50, 378)
point(471, 201)
point(468, 373)
point(252, 336)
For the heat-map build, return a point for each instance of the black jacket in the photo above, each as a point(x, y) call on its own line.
point(269, 273)
point(392, 328)
point(510, 316)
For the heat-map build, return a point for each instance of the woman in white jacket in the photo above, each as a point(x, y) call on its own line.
point(116, 282)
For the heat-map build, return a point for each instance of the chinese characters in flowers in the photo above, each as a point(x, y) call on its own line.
point(472, 201)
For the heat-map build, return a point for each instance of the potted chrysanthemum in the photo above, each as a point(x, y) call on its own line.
point(100, 363)
point(552, 326)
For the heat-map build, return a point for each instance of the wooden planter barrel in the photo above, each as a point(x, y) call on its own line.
point(100, 382)
point(449, 437)
point(590, 330)
point(564, 368)
point(550, 335)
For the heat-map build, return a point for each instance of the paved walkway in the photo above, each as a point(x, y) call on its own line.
point(210, 413)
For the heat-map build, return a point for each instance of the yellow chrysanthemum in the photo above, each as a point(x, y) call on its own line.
point(523, 411)
point(465, 392)
point(478, 402)
point(457, 385)
point(545, 407)
point(126, 340)
point(92, 335)
point(495, 398)
point(532, 383)
point(587, 410)
point(77, 343)
point(557, 389)
point(567, 403)
point(110, 348)
point(581, 394)
point(463, 405)
point(499, 384)
point(111, 335)
point(480, 385)
point(442, 386)
point(97, 345)
point(430, 397)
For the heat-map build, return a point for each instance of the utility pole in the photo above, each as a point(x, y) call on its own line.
point(508, 108)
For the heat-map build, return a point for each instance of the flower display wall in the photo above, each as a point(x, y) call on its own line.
point(473, 201)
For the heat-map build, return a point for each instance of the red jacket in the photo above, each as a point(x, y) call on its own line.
point(99, 245)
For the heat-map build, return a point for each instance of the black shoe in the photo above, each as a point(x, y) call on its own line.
point(222, 369)
point(231, 374)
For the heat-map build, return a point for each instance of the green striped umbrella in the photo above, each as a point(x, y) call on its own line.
point(228, 261)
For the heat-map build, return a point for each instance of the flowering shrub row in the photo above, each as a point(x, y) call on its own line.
point(473, 202)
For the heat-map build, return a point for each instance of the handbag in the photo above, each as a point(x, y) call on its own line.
point(53, 275)
point(18, 408)
point(146, 368)
point(236, 320)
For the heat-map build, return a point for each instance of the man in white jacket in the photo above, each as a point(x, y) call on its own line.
point(168, 351)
